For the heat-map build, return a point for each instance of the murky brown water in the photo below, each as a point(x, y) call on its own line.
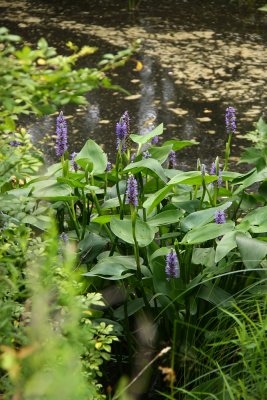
point(198, 57)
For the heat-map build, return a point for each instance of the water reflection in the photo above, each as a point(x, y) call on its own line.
point(198, 58)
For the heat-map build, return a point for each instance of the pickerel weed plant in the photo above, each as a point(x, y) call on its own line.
point(176, 245)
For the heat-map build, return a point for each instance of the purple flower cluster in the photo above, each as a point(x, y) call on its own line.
point(15, 143)
point(108, 167)
point(213, 172)
point(219, 217)
point(132, 191)
point(172, 265)
point(74, 165)
point(172, 159)
point(64, 237)
point(126, 119)
point(62, 135)
point(213, 169)
point(230, 120)
point(146, 154)
point(155, 140)
point(122, 132)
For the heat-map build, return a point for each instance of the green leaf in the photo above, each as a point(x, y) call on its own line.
point(123, 229)
point(93, 156)
point(147, 165)
point(163, 251)
point(228, 243)
point(91, 246)
point(214, 295)
point(179, 144)
point(253, 178)
point(204, 256)
point(166, 218)
point(257, 220)
point(55, 192)
point(114, 268)
point(263, 8)
point(191, 178)
point(104, 219)
point(142, 139)
point(153, 200)
point(41, 222)
point(200, 218)
point(160, 153)
point(132, 307)
point(207, 232)
point(252, 251)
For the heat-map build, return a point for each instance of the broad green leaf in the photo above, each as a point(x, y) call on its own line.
point(123, 229)
point(252, 251)
point(227, 243)
point(147, 165)
point(142, 139)
point(191, 178)
point(257, 220)
point(114, 268)
point(91, 246)
point(92, 155)
point(110, 203)
point(160, 153)
point(132, 307)
point(104, 219)
point(153, 200)
point(207, 232)
point(253, 178)
point(166, 218)
point(56, 192)
point(202, 217)
point(163, 251)
point(204, 256)
point(71, 182)
point(214, 295)
point(41, 222)
point(179, 144)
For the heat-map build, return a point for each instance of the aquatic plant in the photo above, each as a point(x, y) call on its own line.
point(156, 235)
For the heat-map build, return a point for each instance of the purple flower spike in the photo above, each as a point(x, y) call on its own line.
point(219, 217)
point(230, 120)
point(146, 154)
point(126, 119)
point(213, 169)
point(61, 131)
point(172, 159)
point(64, 237)
point(109, 165)
point(172, 265)
point(132, 191)
point(74, 165)
point(15, 143)
point(155, 140)
point(121, 133)
point(220, 180)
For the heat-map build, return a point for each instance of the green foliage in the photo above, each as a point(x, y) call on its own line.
point(258, 153)
point(50, 345)
point(40, 80)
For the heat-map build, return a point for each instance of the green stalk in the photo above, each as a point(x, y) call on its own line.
point(73, 218)
point(173, 358)
point(137, 257)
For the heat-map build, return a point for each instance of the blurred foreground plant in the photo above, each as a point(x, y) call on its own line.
point(62, 348)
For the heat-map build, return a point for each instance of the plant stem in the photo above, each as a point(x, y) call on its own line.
point(137, 257)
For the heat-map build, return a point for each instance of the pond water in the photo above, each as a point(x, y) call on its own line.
point(198, 58)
